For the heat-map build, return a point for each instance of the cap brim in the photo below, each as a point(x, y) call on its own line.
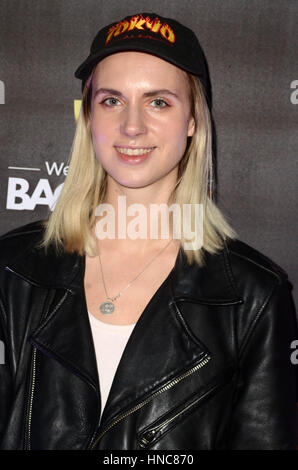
point(84, 70)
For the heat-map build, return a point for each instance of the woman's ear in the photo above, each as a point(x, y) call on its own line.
point(191, 127)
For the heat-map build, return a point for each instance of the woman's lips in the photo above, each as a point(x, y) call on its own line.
point(134, 155)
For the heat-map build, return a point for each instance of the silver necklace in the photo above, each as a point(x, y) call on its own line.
point(108, 306)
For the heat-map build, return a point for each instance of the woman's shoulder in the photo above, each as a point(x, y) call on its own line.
point(23, 253)
point(246, 262)
point(20, 239)
point(26, 229)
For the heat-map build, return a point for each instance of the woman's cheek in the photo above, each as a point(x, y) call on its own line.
point(98, 131)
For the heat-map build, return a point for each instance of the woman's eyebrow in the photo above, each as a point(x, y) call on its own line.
point(160, 92)
point(149, 94)
point(109, 91)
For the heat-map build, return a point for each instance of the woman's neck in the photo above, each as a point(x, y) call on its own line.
point(157, 193)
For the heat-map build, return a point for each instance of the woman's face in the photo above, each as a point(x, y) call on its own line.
point(140, 118)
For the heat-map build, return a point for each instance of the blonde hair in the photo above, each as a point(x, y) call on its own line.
point(70, 226)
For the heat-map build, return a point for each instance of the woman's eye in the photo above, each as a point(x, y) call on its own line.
point(110, 101)
point(159, 103)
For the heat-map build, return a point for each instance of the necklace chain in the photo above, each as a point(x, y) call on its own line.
point(103, 307)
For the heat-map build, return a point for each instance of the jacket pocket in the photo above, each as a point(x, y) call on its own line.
point(156, 430)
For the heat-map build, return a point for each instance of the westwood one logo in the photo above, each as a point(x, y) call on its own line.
point(21, 196)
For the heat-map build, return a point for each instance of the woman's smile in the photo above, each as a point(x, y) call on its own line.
point(134, 155)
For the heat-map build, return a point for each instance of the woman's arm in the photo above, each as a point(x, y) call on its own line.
point(5, 374)
point(264, 412)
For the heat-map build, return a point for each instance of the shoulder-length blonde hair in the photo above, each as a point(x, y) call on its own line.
point(70, 226)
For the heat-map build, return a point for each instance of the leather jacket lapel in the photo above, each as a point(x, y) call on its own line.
point(64, 331)
point(211, 284)
point(66, 336)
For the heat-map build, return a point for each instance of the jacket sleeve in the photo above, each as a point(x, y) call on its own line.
point(5, 374)
point(264, 414)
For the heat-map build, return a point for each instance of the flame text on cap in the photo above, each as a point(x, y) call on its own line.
point(139, 23)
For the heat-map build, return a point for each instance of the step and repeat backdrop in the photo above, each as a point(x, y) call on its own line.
point(251, 48)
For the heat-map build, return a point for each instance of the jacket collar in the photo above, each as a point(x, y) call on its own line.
point(213, 283)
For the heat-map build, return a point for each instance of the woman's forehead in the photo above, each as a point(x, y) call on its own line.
point(137, 65)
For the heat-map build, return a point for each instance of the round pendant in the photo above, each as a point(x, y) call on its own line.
point(107, 307)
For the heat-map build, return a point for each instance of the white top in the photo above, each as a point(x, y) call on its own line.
point(109, 342)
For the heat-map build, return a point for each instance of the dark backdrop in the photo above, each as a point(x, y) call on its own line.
point(251, 47)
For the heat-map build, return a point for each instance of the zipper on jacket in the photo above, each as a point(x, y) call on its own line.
point(30, 403)
point(202, 363)
point(150, 434)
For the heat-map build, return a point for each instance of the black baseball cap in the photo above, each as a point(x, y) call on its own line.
point(151, 33)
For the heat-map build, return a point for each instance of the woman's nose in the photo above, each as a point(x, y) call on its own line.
point(133, 122)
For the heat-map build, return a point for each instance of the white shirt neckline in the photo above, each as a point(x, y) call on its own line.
point(97, 323)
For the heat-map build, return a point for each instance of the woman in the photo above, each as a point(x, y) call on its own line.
point(149, 342)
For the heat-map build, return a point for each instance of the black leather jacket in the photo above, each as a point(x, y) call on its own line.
point(207, 365)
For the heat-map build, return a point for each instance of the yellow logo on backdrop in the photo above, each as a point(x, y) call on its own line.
point(76, 108)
